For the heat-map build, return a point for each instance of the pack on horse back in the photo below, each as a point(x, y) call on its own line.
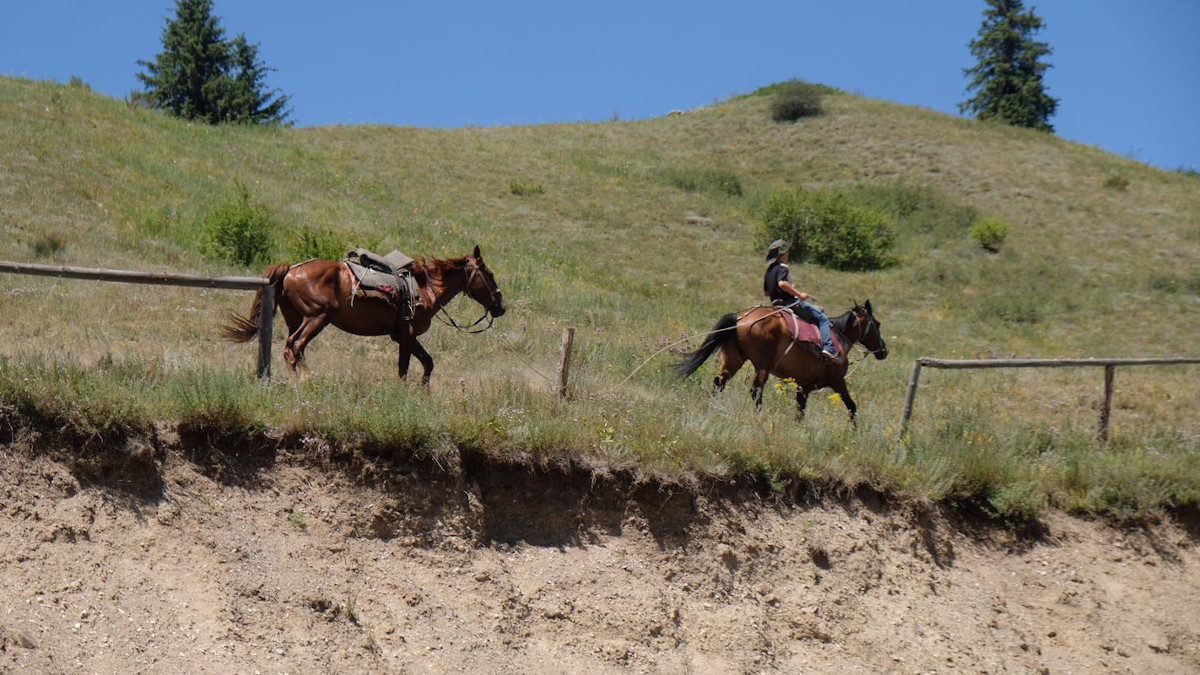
point(388, 278)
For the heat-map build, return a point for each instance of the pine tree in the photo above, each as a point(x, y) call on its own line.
point(249, 99)
point(201, 76)
point(1008, 75)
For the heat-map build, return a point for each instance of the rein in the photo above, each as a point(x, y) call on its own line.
point(487, 314)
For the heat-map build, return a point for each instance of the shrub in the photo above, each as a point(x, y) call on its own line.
point(1116, 182)
point(308, 243)
point(795, 99)
point(714, 181)
point(829, 228)
point(521, 189)
point(48, 244)
point(990, 233)
point(239, 231)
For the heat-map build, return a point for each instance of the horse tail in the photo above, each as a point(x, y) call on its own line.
point(720, 333)
point(243, 329)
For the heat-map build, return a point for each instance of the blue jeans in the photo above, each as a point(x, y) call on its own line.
point(809, 312)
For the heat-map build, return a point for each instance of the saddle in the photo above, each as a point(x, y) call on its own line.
point(388, 278)
point(807, 333)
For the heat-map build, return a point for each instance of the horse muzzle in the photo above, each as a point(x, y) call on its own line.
point(881, 354)
point(499, 309)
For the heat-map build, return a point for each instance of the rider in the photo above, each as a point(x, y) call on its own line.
point(778, 286)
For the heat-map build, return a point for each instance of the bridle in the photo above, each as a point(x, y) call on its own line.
point(472, 271)
point(872, 324)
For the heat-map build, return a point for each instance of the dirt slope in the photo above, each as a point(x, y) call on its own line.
point(157, 557)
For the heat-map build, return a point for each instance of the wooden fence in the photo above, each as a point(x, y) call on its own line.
point(1110, 366)
point(266, 310)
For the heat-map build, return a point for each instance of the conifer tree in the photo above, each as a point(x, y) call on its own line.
point(1007, 79)
point(201, 76)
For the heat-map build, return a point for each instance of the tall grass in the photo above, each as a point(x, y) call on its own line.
point(1011, 470)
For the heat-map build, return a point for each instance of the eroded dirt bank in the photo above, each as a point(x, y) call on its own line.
point(166, 555)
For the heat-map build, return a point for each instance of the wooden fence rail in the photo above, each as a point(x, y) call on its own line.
point(1110, 366)
point(266, 309)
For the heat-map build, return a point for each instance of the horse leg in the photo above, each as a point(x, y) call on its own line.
point(801, 402)
point(293, 320)
point(844, 392)
point(756, 390)
point(403, 353)
point(731, 361)
point(425, 359)
point(402, 360)
point(308, 330)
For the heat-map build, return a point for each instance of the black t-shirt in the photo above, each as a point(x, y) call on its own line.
point(776, 273)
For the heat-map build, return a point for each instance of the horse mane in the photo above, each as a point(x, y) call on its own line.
point(841, 323)
point(422, 266)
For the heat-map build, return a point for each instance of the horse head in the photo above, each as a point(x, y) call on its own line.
point(870, 331)
point(481, 285)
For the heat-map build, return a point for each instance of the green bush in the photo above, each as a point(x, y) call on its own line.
point(308, 243)
point(714, 181)
point(1116, 182)
point(829, 228)
point(521, 189)
point(990, 233)
point(48, 244)
point(239, 232)
point(795, 99)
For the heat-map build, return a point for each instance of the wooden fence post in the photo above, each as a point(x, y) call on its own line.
point(564, 366)
point(266, 325)
point(910, 395)
point(1109, 371)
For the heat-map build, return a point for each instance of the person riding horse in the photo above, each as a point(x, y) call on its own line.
point(777, 285)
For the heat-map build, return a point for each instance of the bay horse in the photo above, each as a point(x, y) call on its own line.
point(316, 293)
point(761, 336)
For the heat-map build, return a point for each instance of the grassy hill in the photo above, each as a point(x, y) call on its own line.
point(614, 228)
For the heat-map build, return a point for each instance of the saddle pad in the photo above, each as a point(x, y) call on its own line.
point(803, 331)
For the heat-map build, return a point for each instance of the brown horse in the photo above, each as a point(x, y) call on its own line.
point(761, 336)
point(316, 293)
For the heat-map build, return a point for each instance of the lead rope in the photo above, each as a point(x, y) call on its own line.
point(683, 340)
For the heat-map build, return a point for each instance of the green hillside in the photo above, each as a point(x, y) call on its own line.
point(614, 229)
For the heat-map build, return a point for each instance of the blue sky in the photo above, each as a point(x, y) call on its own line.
point(1127, 74)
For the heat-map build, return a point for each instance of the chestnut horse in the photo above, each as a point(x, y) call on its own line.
point(316, 293)
point(759, 335)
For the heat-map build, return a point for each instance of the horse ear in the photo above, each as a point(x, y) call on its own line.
point(869, 310)
point(476, 250)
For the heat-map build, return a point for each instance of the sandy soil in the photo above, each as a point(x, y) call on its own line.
point(160, 556)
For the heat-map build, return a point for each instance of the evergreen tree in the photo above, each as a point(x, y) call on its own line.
point(1008, 76)
point(201, 76)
